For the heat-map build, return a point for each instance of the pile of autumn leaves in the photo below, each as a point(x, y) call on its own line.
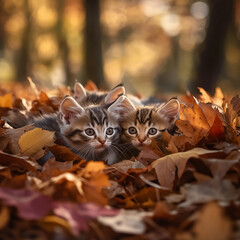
point(188, 188)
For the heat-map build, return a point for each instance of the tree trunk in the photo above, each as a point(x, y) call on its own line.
point(23, 68)
point(212, 55)
point(93, 45)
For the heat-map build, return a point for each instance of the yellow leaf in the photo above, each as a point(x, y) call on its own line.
point(33, 141)
point(6, 100)
point(49, 223)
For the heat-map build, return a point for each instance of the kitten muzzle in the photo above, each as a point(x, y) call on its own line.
point(101, 145)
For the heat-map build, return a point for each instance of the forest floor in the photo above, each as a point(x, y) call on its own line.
point(188, 189)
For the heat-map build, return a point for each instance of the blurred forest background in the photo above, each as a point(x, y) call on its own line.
point(149, 45)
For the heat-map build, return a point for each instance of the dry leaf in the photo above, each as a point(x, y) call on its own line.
point(91, 86)
point(11, 160)
point(166, 167)
point(4, 216)
point(34, 140)
point(6, 100)
point(130, 222)
point(212, 224)
point(27, 202)
point(205, 97)
point(78, 215)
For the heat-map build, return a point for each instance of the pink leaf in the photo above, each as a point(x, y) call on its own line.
point(31, 205)
point(78, 215)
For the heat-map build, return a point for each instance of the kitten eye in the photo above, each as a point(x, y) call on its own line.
point(89, 131)
point(109, 131)
point(152, 131)
point(132, 130)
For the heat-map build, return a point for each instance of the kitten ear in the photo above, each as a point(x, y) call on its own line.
point(170, 110)
point(114, 94)
point(79, 91)
point(69, 109)
point(122, 107)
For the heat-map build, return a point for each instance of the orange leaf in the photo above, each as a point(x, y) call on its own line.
point(205, 97)
point(91, 86)
point(43, 97)
point(6, 100)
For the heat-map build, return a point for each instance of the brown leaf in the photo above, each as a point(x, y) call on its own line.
point(43, 97)
point(10, 160)
point(5, 172)
point(167, 166)
point(91, 86)
point(53, 168)
point(4, 216)
point(213, 224)
point(217, 130)
point(63, 154)
point(13, 136)
point(161, 212)
point(195, 116)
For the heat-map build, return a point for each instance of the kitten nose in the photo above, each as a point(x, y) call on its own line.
point(102, 141)
point(141, 140)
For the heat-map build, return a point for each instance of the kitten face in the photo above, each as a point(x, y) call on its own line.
point(89, 132)
point(143, 124)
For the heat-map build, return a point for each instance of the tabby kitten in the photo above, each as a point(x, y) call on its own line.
point(92, 132)
point(142, 125)
point(86, 98)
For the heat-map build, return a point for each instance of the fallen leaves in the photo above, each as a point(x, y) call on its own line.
point(216, 225)
point(34, 140)
point(6, 101)
point(185, 188)
point(167, 167)
point(27, 202)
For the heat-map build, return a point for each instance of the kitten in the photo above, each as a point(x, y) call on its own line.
point(143, 124)
point(86, 98)
point(92, 132)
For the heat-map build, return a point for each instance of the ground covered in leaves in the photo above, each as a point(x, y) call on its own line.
point(189, 188)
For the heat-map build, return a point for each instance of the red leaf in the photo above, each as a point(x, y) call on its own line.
point(217, 130)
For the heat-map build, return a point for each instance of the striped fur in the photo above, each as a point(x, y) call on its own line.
point(142, 125)
point(99, 146)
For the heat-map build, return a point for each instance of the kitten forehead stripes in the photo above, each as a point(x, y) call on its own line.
point(98, 116)
point(143, 115)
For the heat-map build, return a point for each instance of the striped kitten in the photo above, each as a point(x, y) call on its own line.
point(95, 97)
point(92, 132)
point(143, 124)
point(86, 98)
